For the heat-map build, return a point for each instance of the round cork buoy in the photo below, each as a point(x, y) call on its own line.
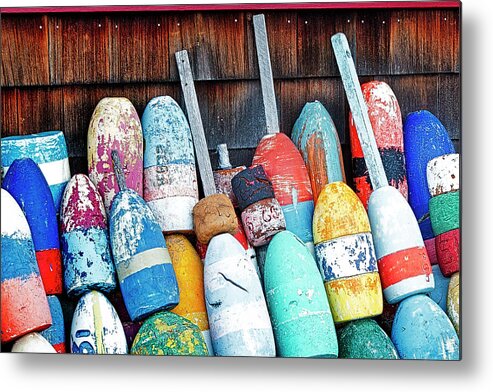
point(448, 252)
point(167, 333)
point(422, 330)
point(442, 174)
point(250, 186)
point(33, 343)
point(190, 277)
point(262, 220)
point(364, 339)
point(445, 212)
point(453, 301)
point(214, 215)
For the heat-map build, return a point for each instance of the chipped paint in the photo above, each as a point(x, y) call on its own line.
point(262, 220)
point(448, 251)
point(442, 174)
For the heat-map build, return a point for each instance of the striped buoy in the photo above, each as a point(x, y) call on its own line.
point(386, 122)
point(190, 276)
point(26, 184)
point(443, 183)
point(425, 138)
point(403, 262)
point(439, 293)
point(170, 178)
point(24, 304)
point(261, 214)
point(167, 333)
point(422, 330)
point(87, 260)
point(96, 328)
point(345, 254)
point(298, 306)
point(48, 150)
point(143, 264)
point(364, 339)
point(238, 317)
point(56, 333)
point(225, 173)
point(453, 301)
point(315, 135)
point(33, 343)
point(115, 125)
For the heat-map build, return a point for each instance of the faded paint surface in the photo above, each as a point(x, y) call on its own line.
point(238, 317)
point(55, 334)
point(169, 334)
point(299, 309)
point(190, 277)
point(448, 252)
point(262, 220)
point(147, 279)
point(86, 253)
point(48, 150)
point(285, 168)
point(115, 125)
point(24, 304)
point(453, 301)
point(251, 185)
point(315, 135)
point(26, 184)
point(422, 330)
point(386, 122)
point(169, 165)
point(442, 174)
point(364, 339)
point(445, 212)
point(431, 250)
point(222, 179)
point(96, 328)
point(425, 138)
point(439, 293)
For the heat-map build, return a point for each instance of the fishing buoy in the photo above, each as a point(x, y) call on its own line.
point(115, 125)
point(431, 250)
point(439, 293)
point(386, 121)
point(167, 333)
point(96, 328)
point(86, 253)
point(48, 150)
point(443, 183)
point(55, 334)
point(279, 156)
point(238, 317)
point(425, 138)
point(33, 343)
point(261, 213)
point(24, 304)
point(364, 339)
point(300, 313)
point(453, 301)
point(170, 178)
point(403, 262)
point(26, 184)
point(143, 264)
point(225, 173)
point(315, 135)
point(190, 277)
point(422, 330)
point(345, 254)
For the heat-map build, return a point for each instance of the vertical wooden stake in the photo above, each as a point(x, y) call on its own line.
point(120, 177)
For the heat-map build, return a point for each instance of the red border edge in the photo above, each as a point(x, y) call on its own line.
point(232, 7)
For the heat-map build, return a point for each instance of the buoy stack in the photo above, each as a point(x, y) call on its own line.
point(261, 213)
point(48, 150)
point(237, 312)
point(170, 178)
point(27, 185)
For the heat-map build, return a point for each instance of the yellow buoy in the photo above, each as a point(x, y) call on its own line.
point(453, 298)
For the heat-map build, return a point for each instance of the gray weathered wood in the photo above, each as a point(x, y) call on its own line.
point(266, 79)
point(359, 111)
point(195, 120)
point(117, 166)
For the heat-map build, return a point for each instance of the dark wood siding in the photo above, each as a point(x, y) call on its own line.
point(56, 67)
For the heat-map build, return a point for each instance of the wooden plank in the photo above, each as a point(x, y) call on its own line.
point(10, 110)
point(138, 47)
point(215, 43)
point(79, 47)
point(449, 103)
point(25, 55)
point(315, 56)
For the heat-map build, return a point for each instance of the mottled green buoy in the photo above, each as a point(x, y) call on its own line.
point(167, 333)
point(364, 339)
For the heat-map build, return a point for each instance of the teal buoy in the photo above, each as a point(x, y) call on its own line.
point(364, 339)
point(297, 302)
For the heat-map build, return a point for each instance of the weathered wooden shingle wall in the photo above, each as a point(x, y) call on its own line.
point(56, 67)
